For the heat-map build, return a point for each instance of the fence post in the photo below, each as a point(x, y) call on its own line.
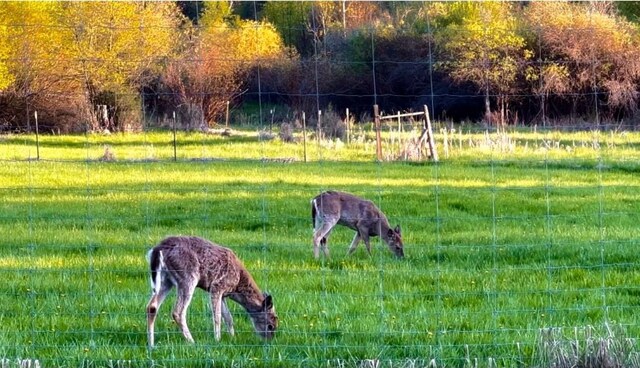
point(271, 111)
point(432, 145)
point(35, 115)
point(378, 139)
point(304, 135)
point(319, 126)
point(226, 119)
point(348, 125)
point(175, 152)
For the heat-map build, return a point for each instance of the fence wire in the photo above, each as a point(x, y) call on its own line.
point(520, 241)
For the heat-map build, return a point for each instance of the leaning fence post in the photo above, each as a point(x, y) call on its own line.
point(431, 142)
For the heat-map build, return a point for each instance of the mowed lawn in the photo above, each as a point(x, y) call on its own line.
point(503, 249)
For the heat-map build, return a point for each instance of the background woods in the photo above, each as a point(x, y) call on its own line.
point(127, 65)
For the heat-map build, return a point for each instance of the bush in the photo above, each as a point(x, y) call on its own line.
point(286, 133)
point(331, 124)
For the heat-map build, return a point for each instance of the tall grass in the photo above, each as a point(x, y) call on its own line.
point(501, 249)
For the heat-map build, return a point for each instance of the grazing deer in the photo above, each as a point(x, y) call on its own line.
point(189, 262)
point(331, 208)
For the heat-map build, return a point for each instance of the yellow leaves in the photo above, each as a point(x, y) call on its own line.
point(257, 41)
point(249, 41)
point(106, 44)
point(116, 41)
point(6, 77)
point(483, 41)
point(28, 42)
point(233, 48)
point(215, 14)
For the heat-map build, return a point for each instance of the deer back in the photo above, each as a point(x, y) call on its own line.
point(351, 210)
point(192, 258)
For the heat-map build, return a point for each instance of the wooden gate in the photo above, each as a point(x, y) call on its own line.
point(426, 137)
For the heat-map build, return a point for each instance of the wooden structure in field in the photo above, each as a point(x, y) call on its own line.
point(426, 137)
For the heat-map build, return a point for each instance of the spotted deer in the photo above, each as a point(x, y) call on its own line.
point(332, 207)
point(188, 262)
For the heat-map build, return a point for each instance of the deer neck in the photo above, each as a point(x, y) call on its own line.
point(384, 228)
point(247, 293)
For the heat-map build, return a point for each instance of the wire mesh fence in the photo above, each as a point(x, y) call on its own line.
point(519, 241)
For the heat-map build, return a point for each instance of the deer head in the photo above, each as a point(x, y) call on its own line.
point(265, 320)
point(394, 240)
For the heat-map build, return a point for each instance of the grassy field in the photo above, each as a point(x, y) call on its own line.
point(521, 250)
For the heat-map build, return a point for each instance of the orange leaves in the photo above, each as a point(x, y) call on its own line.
point(594, 47)
point(224, 54)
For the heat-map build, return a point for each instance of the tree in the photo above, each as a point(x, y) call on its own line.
point(215, 67)
point(587, 50)
point(116, 48)
point(479, 43)
point(290, 20)
point(6, 77)
point(34, 74)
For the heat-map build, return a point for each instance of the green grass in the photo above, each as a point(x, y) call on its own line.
point(501, 246)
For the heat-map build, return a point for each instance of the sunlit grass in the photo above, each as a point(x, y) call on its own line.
point(581, 147)
point(499, 246)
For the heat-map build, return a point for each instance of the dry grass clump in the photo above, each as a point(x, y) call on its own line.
point(286, 133)
point(108, 155)
point(583, 349)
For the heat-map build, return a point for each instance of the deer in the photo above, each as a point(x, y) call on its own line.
point(332, 208)
point(189, 262)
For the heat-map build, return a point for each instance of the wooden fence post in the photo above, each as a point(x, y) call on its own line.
point(378, 139)
point(175, 143)
point(35, 115)
point(226, 118)
point(348, 125)
point(319, 126)
point(304, 135)
point(431, 142)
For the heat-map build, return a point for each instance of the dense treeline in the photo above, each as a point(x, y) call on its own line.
point(122, 65)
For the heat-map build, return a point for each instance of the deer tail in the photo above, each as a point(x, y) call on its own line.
point(156, 264)
point(314, 213)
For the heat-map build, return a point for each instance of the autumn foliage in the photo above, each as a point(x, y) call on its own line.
point(127, 65)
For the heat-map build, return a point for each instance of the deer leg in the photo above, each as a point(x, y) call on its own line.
point(323, 243)
point(365, 238)
point(366, 242)
point(185, 293)
point(320, 234)
point(217, 306)
point(152, 311)
point(227, 317)
point(354, 243)
point(363, 231)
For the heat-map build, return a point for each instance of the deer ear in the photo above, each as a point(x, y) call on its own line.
point(268, 302)
point(397, 229)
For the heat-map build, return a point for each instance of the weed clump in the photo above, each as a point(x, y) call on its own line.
point(286, 133)
point(108, 155)
point(586, 350)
